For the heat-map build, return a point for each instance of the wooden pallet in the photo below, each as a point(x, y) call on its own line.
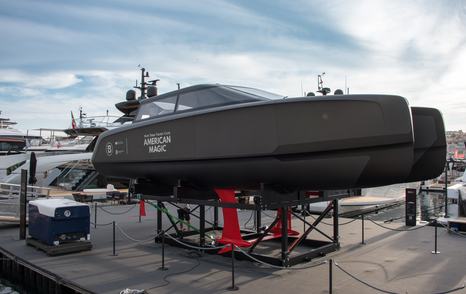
point(61, 249)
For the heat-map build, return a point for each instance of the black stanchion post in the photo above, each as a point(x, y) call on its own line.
point(23, 204)
point(362, 230)
point(336, 229)
point(258, 222)
point(330, 276)
point(159, 217)
point(114, 238)
point(304, 217)
point(446, 192)
point(215, 217)
point(435, 241)
point(139, 210)
point(202, 225)
point(233, 287)
point(95, 215)
point(163, 268)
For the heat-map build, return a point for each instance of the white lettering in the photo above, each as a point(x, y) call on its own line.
point(157, 142)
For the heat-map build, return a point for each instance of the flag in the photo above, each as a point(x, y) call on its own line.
point(73, 122)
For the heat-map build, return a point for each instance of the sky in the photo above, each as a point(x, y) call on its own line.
point(58, 56)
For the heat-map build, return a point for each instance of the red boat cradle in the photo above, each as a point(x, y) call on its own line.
point(277, 229)
point(231, 233)
point(142, 208)
point(262, 242)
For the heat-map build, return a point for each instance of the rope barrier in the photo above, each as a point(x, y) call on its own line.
point(102, 225)
point(165, 278)
point(387, 291)
point(399, 230)
point(331, 224)
point(275, 266)
point(134, 239)
point(249, 219)
point(452, 290)
point(364, 282)
point(453, 231)
point(117, 213)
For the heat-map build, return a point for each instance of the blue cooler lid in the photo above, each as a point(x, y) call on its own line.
point(48, 206)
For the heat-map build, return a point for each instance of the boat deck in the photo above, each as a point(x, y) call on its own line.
point(400, 262)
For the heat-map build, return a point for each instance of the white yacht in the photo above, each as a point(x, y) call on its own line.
point(12, 140)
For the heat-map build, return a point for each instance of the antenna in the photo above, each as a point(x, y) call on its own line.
point(320, 85)
point(143, 85)
point(346, 85)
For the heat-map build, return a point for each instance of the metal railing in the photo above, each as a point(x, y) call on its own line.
point(9, 197)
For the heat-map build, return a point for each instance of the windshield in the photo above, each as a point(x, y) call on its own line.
point(201, 98)
point(157, 108)
point(257, 92)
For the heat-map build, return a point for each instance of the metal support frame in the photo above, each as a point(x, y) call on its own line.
point(288, 244)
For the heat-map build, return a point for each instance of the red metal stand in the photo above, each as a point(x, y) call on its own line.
point(231, 232)
point(142, 208)
point(277, 229)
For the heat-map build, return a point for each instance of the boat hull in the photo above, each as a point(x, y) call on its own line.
point(319, 143)
point(430, 145)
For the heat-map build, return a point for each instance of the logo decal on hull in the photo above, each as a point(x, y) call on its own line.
point(157, 142)
point(109, 148)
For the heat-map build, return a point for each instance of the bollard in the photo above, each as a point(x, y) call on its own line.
point(362, 230)
point(95, 215)
point(233, 287)
point(114, 235)
point(330, 276)
point(435, 239)
point(163, 268)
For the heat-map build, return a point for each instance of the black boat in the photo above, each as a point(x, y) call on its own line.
point(218, 136)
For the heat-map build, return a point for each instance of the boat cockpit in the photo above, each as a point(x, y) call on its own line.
point(200, 97)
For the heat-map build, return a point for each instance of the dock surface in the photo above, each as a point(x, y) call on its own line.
point(395, 261)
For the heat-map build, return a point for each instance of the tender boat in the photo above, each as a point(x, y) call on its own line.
point(219, 136)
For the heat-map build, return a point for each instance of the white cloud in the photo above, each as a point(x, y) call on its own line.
point(415, 49)
point(52, 80)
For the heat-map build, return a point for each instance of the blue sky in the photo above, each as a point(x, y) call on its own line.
point(56, 56)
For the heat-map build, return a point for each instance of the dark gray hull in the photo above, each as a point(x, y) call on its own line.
point(430, 144)
point(302, 143)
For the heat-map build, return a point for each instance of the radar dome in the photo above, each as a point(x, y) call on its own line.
point(131, 95)
point(151, 91)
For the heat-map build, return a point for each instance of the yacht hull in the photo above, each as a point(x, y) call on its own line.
point(430, 145)
point(327, 142)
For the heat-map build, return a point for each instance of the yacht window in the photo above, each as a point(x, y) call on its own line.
point(157, 108)
point(211, 97)
point(12, 146)
point(257, 92)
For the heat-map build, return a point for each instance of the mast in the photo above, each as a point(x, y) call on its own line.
point(143, 84)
